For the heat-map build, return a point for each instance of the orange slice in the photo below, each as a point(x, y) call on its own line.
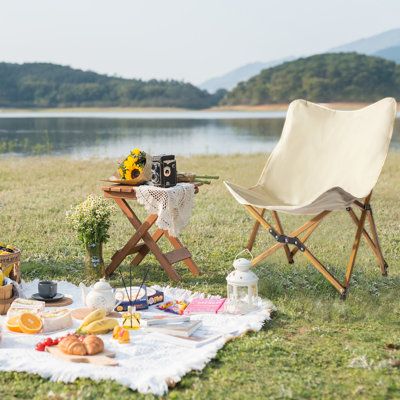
point(30, 323)
point(13, 324)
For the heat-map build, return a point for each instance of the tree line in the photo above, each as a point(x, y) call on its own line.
point(332, 77)
point(49, 85)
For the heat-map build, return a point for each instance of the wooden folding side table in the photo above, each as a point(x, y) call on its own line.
point(142, 242)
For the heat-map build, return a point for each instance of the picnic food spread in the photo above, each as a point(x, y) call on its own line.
point(31, 315)
point(85, 331)
point(31, 340)
point(78, 342)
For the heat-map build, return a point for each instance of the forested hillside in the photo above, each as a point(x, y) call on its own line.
point(346, 77)
point(50, 85)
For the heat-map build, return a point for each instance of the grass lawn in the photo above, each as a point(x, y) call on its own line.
point(316, 346)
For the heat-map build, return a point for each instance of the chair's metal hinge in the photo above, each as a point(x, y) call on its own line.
point(287, 239)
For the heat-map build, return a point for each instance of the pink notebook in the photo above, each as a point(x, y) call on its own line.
point(205, 306)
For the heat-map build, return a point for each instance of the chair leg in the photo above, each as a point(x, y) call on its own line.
point(373, 243)
point(254, 232)
point(382, 262)
point(356, 245)
point(308, 233)
point(292, 239)
point(280, 230)
point(253, 212)
point(321, 268)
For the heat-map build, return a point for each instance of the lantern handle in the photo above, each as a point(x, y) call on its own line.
point(244, 251)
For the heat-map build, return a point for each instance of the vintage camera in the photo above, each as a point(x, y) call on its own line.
point(164, 171)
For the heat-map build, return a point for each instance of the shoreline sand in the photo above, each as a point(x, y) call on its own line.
point(238, 108)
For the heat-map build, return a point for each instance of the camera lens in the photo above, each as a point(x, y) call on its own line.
point(167, 171)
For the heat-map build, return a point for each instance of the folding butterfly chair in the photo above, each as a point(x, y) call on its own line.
point(326, 160)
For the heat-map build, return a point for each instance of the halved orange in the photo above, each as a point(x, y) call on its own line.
point(13, 324)
point(30, 323)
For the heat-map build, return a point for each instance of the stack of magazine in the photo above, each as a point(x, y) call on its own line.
point(176, 329)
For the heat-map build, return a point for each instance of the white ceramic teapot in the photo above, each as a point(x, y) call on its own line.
point(101, 296)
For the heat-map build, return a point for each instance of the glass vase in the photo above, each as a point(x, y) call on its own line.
point(94, 263)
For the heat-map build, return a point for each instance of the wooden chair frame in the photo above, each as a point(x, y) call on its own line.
point(284, 241)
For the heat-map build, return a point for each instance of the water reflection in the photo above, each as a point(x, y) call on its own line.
point(113, 137)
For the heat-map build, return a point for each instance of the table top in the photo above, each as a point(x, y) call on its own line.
point(125, 191)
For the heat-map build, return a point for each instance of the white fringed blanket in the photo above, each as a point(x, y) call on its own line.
point(146, 364)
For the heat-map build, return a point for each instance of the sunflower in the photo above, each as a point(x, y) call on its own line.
point(135, 152)
point(133, 172)
point(129, 162)
point(133, 165)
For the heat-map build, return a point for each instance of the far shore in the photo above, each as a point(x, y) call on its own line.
point(237, 108)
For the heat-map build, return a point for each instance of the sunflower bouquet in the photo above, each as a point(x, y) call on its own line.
point(135, 168)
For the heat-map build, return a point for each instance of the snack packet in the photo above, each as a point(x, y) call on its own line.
point(174, 306)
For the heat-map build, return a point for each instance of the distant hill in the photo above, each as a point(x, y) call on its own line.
point(383, 45)
point(347, 77)
point(372, 44)
point(50, 85)
point(390, 53)
point(229, 80)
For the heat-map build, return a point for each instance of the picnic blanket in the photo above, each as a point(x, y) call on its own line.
point(147, 364)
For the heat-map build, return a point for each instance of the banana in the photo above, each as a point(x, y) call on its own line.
point(92, 317)
point(101, 326)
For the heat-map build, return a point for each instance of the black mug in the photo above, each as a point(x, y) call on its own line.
point(47, 289)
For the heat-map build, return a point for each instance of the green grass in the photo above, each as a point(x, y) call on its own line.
point(316, 346)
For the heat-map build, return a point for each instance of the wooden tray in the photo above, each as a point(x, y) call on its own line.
point(104, 358)
point(66, 301)
point(81, 313)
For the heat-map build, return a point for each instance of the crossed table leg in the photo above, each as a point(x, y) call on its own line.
point(149, 244)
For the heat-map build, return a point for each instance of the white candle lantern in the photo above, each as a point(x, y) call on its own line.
point(242, 287)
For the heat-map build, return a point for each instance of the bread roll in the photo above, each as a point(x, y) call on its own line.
point(72, 345)
point(63, 344)
point(93, 344)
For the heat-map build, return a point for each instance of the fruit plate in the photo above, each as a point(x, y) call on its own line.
point(105, 358)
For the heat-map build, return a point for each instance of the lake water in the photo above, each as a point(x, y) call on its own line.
point(113, 134)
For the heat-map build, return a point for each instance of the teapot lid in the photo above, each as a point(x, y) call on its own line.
point(102, 284)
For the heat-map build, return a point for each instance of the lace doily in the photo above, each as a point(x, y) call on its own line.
point(173, 206)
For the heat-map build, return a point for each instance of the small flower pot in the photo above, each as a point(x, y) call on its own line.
point(94, 263)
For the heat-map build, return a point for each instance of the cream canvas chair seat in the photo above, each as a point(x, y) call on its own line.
point(326, 160)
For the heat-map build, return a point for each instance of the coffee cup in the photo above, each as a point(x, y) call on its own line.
point(47, 289)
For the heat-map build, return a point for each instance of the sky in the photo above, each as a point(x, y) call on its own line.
point(189, 40)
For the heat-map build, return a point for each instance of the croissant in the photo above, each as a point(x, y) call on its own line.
point(93, 344)
point(72, 345)
point(63, 344)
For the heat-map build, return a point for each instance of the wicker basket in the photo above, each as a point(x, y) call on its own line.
point(7, 296)
point(13, 259)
